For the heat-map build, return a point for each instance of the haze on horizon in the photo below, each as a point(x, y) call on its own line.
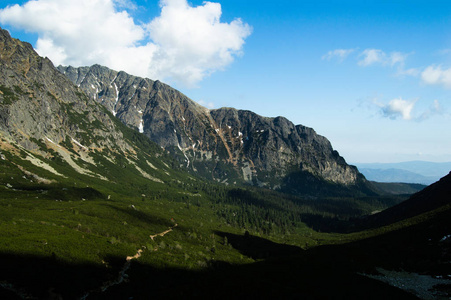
point(374, 77)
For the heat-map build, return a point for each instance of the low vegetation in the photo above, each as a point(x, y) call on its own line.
point(83, 225)
point(173, 227)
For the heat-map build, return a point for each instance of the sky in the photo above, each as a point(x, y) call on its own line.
point(374, 77)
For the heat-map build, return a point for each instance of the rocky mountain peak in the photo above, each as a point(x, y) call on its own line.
point(39, 105)
point(43, 114)
point(225, 144)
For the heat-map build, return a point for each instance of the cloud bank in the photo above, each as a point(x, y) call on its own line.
point(404, 109)
point(377, 56)
point(435, 75)
point(184, 44)
point(369, 57)
point(398, 108)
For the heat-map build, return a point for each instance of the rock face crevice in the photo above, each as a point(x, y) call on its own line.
point(225, 144)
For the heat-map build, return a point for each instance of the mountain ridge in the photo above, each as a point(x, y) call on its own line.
point(83, 195)
point(44, 116)
point(430, 198)
point(226, 145)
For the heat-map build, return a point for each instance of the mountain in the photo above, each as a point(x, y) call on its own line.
point(92, 209)
point(49, 124)
point(397, 188)
point(433, 197)
point(226, 145)
point(412, 172)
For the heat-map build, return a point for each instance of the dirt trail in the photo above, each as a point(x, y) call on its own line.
point(163, 233)
point(122, 275)
point(136, 256)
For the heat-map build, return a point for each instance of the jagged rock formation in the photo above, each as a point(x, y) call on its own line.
point(225, 144)
point(149, 106)
point(38, 102)
point(44, 114)
point(41, 109)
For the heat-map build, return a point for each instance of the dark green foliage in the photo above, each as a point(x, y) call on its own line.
point(429, 199)
point(7, 95)
point(39, 143)
point(321, 273)
point(385, 188)
point(128, 222)
point(306, 183)
point(67, 143)
point(18, 90)
point(82, 228)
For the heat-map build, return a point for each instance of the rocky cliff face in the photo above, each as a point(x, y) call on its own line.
point(41, 109)
point(277, 146)
point(149, 106)
point(37, 102)
point(43, 114)
point(226, 144)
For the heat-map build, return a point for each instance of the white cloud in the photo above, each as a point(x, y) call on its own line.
point(183, 44)
point(435, 75)
point(340, 54)
point(396, 58)
point(193, 42)
point(377, 56)
point(371, 56)
point(126, 4)
point(398, 108)
point(44, 45)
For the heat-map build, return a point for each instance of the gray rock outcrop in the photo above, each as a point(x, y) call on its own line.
point(225, 144)
point(39, 105)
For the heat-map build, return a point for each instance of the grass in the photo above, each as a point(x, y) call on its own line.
point(83, 227)
point(80, 231)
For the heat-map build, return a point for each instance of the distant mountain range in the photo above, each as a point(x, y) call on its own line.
point(422, 172)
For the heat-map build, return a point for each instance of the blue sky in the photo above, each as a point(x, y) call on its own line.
point(374, 77)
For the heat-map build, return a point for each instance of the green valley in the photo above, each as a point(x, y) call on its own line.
point(91, 208)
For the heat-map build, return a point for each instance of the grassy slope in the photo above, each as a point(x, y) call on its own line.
point(77, 233)
point(71, 236)
point(83, 225)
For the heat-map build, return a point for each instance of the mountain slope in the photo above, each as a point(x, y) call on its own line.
point(397, 188)
point(50, 125)
point(91, 209)
point(433, 197)
point(227, 145)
